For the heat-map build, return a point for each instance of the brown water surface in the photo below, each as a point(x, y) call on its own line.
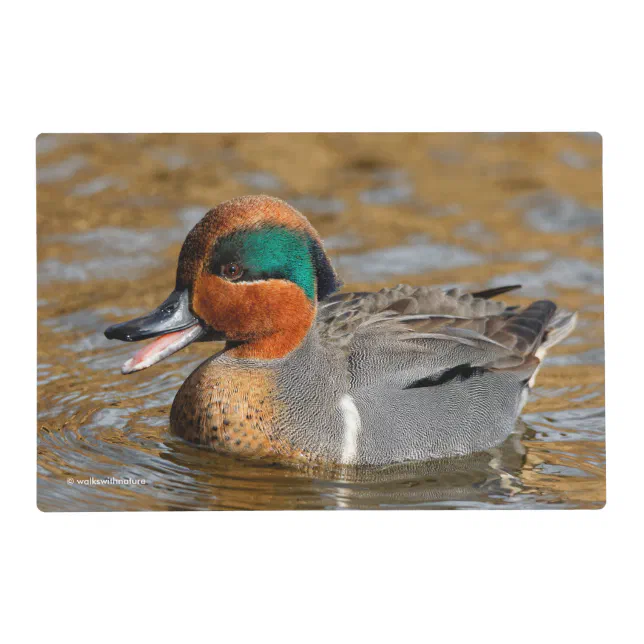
point(469, 209)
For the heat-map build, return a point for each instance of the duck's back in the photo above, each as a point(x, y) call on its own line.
point(434, 373)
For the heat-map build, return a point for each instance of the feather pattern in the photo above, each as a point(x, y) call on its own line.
point(437, 319)
point(430, 373)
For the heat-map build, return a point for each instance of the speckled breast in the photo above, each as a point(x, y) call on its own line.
point(233, 410)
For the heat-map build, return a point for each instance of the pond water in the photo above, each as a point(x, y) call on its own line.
point(455, 209)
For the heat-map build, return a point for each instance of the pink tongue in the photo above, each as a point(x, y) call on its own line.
point(161, 347)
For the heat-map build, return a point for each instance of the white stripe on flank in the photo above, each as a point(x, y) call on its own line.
point(352, 427)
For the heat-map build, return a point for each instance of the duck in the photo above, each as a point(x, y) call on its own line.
point(311, 374)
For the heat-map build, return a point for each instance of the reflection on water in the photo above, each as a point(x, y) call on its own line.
point(477, 210)
point(417, 256)
point(550, 213)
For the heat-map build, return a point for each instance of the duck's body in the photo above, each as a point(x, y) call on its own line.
point(357, 378)
point(369, 385)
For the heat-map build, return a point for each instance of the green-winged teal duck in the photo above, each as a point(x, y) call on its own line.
point(407, 373)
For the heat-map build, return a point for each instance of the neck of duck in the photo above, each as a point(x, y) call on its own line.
point(268, 322)
point(276, 343)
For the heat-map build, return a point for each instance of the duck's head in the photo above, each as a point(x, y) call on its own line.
point(251, 273)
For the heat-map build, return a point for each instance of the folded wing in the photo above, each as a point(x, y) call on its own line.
point(411, 337)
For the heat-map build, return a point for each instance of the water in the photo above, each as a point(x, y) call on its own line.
point(469, 209)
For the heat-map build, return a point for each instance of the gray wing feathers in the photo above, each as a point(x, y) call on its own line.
point(340, 316)
point(403, 333)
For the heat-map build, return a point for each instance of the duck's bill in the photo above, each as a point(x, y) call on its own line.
point(172, 325)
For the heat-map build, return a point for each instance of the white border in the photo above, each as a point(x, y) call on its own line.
point(445, 576)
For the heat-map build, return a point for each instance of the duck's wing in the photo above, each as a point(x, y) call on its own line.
point(406, 335)
point(341, 315)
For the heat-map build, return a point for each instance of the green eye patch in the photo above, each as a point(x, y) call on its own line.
point(269, 253)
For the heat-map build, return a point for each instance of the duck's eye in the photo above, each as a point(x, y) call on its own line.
point(232, 271)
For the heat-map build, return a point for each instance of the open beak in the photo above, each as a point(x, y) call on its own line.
point(172, 324)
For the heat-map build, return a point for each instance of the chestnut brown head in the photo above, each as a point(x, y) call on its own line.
point(251, 273)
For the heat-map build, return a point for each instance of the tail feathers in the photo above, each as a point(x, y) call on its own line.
point(559, 328)
point(525, 330)
point(533, 332)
